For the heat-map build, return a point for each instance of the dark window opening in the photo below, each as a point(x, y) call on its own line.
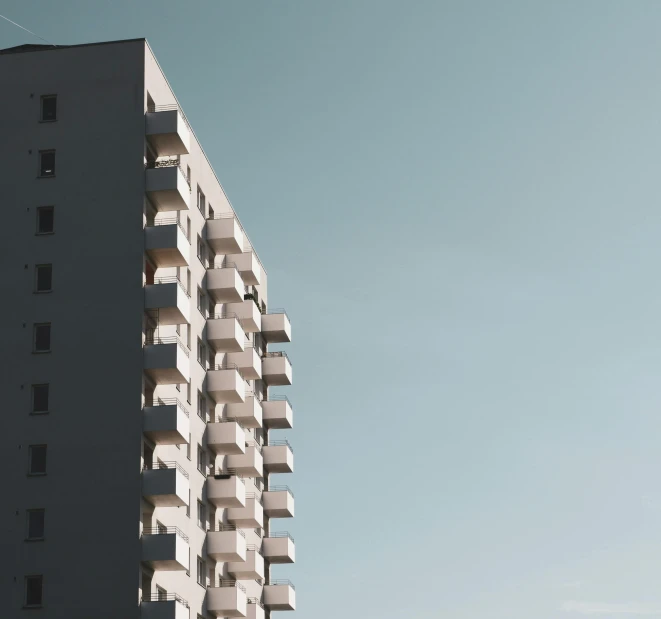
point(33, 590)
point(37, 461)
point(42, 337)
point(45, 219)
point(44, 277)
point(47, 163)
point(49, 107)
point(36, 522)
point(40, 398)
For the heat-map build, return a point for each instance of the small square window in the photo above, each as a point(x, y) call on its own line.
point(40, 398)
point(36, 523)
point(37, 460)
point(45, 219)
point(43, 277)
point(48, 108)
point(42, 337)
point(46, 163)
point(34, 590)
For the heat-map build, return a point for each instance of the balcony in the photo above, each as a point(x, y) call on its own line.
point(226, 544)
point(248, 314)
point(167, 131)
point(278, 457)
point(165, 484)
point(167, 187)
point(248, 464)
point(225, 334)
point(166, 243)
point(224, 234)
point(224, 285)
point(278, 548)
point(279, 595)
point(226, 437)
point(225, 384)
point(276, 327)
point(255, 609)
point(166, 360)
point(168, 297)
point(251, 568)
point(276, 369)
point(228, 599)
point(166, 422)
point(248, 413)
point(226, 490)
point(248, 265)
point(278, 502)
point(164, 606)
point(165, 549)
point(277, 413)
point(248, 362)
point(249, 517)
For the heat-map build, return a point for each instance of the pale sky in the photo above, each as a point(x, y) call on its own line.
point(458, 204)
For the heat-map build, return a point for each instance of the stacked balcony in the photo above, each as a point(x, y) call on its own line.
point(227, 543)
point(278, 502)
point(278, 457)
point(251, 568)
point(167, 131)
point(248, 413)
point(165, 484)
point(166, 422)
point(248, 362)
point(225, 384)
point(277, 413)
point(166, 186)
point(248, 265)
point(165, 549)
point(225, 334)
point(248, 313)
point(164, 606)
point(249, 517)
point(228, 599)
point(276, 327)
point(166, 243)
point(276, 369)
point(278, 548)
point(279, 595)
point(226, 489)
point(224, 234)
point(169, 298)
point(226, 437)
point(255, 609)
point(166, 360)
point(224, 284)
point(248, 464)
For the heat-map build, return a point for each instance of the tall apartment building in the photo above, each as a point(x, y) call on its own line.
point(139, 426)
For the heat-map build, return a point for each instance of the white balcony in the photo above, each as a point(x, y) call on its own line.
point(225, 334)
point(255, 609)
point(251, 568)
point(224, 234)
point(165, 484)
point(226, 437)
point(224, 490)
point(167, 188)
point(165, 549)
point(279, 548)
point(167, 132)
point(248, 362)
point(227, 600)
point(279, 595)
point(276, 327)
point(248, 314)
point(248, 464)
point(225, 385)
point(278, 457)
point(248, 413)
point(166, 423)
point(277, 413)
point(278, 502)
point(225, 285)
point(248, 265)
point(227, 544)
point(164, 606)
point(166, 244)
point(249, 517)
point(276, 369)
point(169, 299)
point(166, 361)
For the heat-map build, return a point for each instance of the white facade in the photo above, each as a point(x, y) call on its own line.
point(158, 364)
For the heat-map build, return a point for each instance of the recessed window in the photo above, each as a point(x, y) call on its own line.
point(40, 398)
point(46, 163)
point(37, 460)
point(201, 515)
point(43, 277)
point(201, 571)
point(42, 337)
point(201, 459)
point(34, 590)
point(49, 108)
point(45, 220)
point(201, 201)
point(35, 524)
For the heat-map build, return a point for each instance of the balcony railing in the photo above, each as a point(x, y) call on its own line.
point(227, 527)
point(281, 582)
point(255, 601)
point(276, 353)
point(226, 365)
point(152, 339)
point(170, 464)
point(282, 443)
point(168, 402)
point(277, 310)
point(254, 495)
point(279, 534)
point(169, 221)
point(168, 163)
point(278, 398)
point(231, 583)
point(172, 279)
point(164, 597)
point(226, 474)
point(165, 531)
point(280, 489)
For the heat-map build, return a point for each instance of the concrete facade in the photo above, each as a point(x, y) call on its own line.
point(135, 200)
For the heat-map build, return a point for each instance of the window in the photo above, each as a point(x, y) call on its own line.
point(201, 515)
point(35, 524)
point(188, 174)
point(40, 398)
point(43, 277)
point(48, 108)
point(42, 337)
point(201, 353)
point(201, 571)
point(201, 251)
point(37, 460)
point(46, 163)
point(33, 590)
point(45, 219)
point(188, 290)
point(188, 447)
point(188, 389)
point(187, 228)
point(188, 511)
point(201, 201)
point(201, 406)
point(211, 213)
point(202, 302)
point(201, 460)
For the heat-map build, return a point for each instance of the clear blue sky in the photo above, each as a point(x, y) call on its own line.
point(458, 203)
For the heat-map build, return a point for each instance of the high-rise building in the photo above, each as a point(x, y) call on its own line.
point(140, 424)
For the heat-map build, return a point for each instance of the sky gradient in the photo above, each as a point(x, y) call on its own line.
point(458, 205)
